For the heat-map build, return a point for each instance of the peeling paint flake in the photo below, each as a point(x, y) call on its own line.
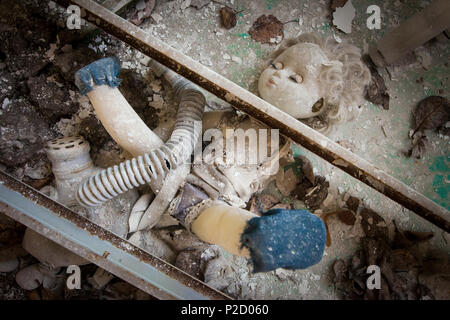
point(343, 17)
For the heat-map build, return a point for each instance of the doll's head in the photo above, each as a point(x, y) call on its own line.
point(314, 77)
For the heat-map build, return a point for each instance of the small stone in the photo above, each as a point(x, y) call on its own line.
point(157, 17)
point(156, 86)
point(236, 59)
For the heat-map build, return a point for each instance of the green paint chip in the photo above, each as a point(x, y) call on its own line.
point(440, 186)
point(243, 35)
point(440, 164)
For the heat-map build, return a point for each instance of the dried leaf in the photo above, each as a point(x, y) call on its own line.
point(143, 10)
point(374, 250)
point(402, 260)
point(316, 196)
point(376, 91)
point(267, 29)
point(286, 181)
point(431, 113)
point(419, 146)
point(352, 203)
point(445, 129)
point(301, 189)
point(347, 217)
point(340, 270)
point(406, 239)
point(373, 224)
point(253, 206)
point(267, 201)
point(416, 236)
point(228, 17)
point(307, 168)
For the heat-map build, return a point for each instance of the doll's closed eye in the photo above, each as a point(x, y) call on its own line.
point(277, 65)
point(296, 78)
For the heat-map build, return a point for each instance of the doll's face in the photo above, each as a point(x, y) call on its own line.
point(291, 81)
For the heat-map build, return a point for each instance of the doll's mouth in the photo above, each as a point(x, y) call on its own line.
point(271, 83)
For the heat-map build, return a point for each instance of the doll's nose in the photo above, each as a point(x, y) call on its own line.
point(277, 74)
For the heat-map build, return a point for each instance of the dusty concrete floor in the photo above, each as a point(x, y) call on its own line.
point(379, 136)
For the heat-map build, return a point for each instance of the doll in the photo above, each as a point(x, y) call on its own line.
point(311, 77)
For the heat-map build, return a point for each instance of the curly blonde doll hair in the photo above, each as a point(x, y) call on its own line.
point(344, 81)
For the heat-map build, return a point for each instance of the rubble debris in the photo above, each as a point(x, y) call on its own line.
point(376, 91)
point(144, 9)
point(9, 257)
point(400, 269)
point(132, 83)
point(343, 17)
point(8, 90)
point(14, 42)
point(189, 260)
point(26, 65)
point(31, 278)
point(69, 61)
point(228, 17)
point(53, 102)
point(134, 89)
point(23, 133)
point(93, 131)
point(9, 290)
point(431, 113)
point(267, 29)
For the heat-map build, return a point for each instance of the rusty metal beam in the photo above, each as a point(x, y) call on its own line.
point(261, 110)
point(100, 246)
